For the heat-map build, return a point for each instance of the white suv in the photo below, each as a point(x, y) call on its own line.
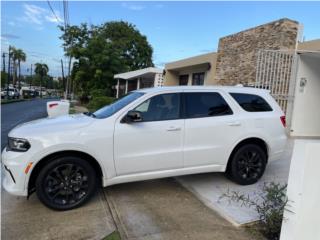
point(149, 133)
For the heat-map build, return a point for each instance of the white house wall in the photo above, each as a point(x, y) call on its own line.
point(306, 109)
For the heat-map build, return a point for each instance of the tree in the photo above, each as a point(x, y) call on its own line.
point(4, 77)
point(21, 57)
point(102, 51)
point(41, 70)
point(18, 56)
point(14, 61)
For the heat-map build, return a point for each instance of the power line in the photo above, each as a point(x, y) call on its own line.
point(54, 14)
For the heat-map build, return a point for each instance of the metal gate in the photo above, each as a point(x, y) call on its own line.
point(273, 71)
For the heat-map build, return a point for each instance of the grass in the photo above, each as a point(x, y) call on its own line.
point(113, 236)
point(254, 230)
point(6, 101)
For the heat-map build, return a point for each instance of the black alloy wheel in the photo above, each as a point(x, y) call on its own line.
point(247, 164)
point(66, 183)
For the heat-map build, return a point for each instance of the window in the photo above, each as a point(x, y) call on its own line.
point(109, 110)
point(205, 104)
point(198, 78)
point(160, 107)
point(251, 102)
point(183, 79)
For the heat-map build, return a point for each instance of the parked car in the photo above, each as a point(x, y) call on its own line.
point(149, 133)
point(3, 93)
point(12, 93)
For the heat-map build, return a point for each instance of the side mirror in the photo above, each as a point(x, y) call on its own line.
point(133, 116)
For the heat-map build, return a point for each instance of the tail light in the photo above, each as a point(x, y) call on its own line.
point(283, 121)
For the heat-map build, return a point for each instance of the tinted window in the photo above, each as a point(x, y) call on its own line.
point(251, 102)
point(160, 107)
point(109, 110)
point(205, 105)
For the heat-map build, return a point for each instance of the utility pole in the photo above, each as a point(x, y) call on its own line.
point(63, 82)
point(4, 62)
point(31, 77)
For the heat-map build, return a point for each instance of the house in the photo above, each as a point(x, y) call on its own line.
point(198, 70)
point(236, 56)
point(143, 78)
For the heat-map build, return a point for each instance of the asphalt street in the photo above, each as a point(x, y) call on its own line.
point(13, 114)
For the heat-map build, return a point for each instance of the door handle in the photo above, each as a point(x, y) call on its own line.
point(234, 123)
point(171, 129)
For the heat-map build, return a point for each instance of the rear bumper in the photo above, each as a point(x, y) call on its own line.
point(277, 148)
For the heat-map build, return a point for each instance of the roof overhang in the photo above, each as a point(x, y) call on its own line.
point(315, 54)
point(196, 61)
point(146, 72)
point(205, 66)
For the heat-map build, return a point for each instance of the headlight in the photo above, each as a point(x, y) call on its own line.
point(18, 144)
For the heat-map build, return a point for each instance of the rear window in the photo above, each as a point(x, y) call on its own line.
point(251, 102)
point(205, 104)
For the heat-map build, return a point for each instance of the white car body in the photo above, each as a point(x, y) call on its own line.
point(147, 150)
point(12, 93)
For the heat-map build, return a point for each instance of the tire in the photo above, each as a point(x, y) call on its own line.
point(247, 164)
point(66, 183)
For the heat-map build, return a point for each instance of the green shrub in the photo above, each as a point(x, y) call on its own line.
point(269, 204)
point(97, 93)
point(99, 102)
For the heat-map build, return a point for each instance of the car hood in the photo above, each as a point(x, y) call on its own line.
point(54, 125)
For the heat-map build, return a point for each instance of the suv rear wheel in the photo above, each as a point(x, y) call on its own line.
point(66, 183)
point(247, 164)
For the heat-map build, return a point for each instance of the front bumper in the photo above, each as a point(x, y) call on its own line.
point(13, 166)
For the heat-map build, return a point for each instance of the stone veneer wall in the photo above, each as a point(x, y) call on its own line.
point(237, 53)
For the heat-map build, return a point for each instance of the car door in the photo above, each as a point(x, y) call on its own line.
point(155, 143)
point(210, 129)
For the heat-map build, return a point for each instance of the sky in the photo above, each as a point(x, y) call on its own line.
point(175, 30)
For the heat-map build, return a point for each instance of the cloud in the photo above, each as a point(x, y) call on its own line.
point(133, 7)
point(37, 15)
point(9, 36)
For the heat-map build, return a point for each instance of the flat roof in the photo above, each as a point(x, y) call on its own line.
point(191, 61)
point(138, 73)
point(312, 45)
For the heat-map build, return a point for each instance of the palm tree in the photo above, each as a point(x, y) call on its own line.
point(41, 69)
point(14, 59)
point(18, 56)
point(21, 57)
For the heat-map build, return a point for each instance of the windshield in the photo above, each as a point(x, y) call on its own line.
point(109, 110)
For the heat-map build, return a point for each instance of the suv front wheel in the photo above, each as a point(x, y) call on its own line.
point(66, 183)
point(247, 164)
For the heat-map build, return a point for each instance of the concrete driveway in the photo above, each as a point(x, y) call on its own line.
point(163, 209)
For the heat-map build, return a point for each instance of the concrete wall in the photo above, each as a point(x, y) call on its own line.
point(302, 215)
point(237, 53)
point(306, 113)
